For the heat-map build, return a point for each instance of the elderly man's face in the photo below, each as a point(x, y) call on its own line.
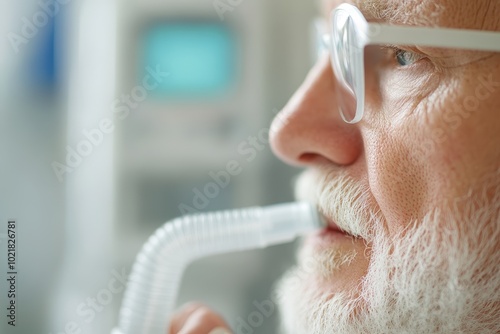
point(415, 185)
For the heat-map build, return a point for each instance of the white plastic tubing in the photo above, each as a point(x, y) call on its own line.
point(153, 283)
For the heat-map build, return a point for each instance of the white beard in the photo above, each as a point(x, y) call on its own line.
point(441, 275)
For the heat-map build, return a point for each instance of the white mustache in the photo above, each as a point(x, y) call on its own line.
point(340, 199)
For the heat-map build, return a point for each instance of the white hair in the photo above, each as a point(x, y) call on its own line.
point(440, 275)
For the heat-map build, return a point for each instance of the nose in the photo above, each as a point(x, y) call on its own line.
point(310, 130)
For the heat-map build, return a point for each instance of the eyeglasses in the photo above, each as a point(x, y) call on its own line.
point(350, 34)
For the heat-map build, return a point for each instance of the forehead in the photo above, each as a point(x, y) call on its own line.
point(465, 14)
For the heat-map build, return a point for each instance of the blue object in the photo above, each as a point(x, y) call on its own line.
point(200, 58)
point(41, 70)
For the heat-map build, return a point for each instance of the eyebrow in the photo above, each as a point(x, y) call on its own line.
point(373, 10)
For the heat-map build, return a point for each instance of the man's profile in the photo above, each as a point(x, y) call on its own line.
point(411, 190)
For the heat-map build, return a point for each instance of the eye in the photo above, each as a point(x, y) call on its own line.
point(407, 58)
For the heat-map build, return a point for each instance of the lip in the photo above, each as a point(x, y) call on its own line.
point(329, 236)
point(331, 227)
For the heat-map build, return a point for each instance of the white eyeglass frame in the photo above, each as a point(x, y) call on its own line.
point(376, 33)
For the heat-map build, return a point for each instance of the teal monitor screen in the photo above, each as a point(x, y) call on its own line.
point(199, 57)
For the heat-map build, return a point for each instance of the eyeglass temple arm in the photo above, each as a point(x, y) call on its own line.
point(434, 37)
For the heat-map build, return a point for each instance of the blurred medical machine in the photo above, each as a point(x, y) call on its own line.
point(165, 117)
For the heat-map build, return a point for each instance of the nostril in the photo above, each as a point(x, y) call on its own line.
point(308, 157)
point(312, 158)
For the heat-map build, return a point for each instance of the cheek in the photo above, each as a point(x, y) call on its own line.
point(403, 164)
point(435, 153)
point(398, 180)
point(460, 133)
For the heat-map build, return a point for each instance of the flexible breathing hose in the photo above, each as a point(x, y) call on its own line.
point(151, 292)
